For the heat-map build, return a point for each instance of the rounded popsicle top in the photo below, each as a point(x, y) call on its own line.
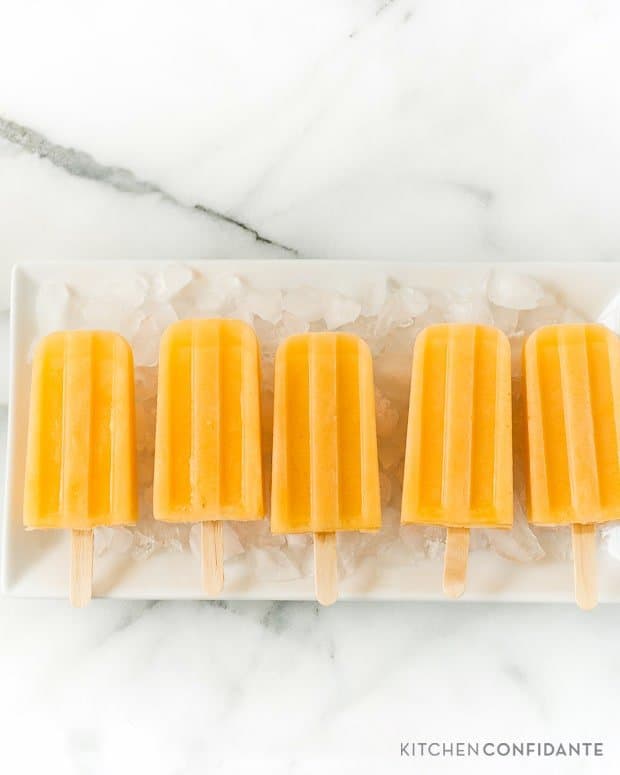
point(206, 326)
point(569, 332)
point(345, 338)
point(60, 338)
point(447, 329)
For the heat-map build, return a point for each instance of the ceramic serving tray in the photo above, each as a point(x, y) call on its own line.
point(35, 564)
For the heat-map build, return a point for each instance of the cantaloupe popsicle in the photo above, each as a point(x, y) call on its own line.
point(572, 391)
point(208, 461)
point(81, 449)
point(325, 469)
point(458, 462)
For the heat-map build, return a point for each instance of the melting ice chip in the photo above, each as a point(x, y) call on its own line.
point(306, 304)
point(469, 310)
point(171, 280)
point(513, 290)
point(401, 309)
point(114, 316)
point(272, 564)
point(130, 292)
point(145, 342)
point(53, 307)
point(265, 304)
point(610, 316)
point(611, 538)
point(208, 296)
point(341, 311)
point(113, 539)
point(374, 297)
point(518, 544)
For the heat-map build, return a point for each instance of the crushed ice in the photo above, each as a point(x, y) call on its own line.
point(388, 316)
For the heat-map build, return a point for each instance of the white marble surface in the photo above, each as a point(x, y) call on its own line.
point(370, 129)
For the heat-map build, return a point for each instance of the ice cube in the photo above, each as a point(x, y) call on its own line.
point(208, 297)
point(272, 564)
point(401, 308)
point(145, 342)
point(117, 540)
point(305, 304)
point(610, 316)
point(130, 291)
point(340, 311)
point(290, 325)
point(610, 536)
point(413, 537)
point(556, 542)
point(353, 548)
point(265, 304)
point(468, 310)
point(506, 288)
point(53, 307)
point(172, 279)
point(104, 314)
point(299, 540)
point(505, 319)
point(518, 544)
point(102, 539)
point(121, 540)
point(374, 297)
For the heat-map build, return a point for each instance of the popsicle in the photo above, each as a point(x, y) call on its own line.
point(572, 393)
point(208, 461)
point(325, 475)
point(81, 448)
point(458, 461)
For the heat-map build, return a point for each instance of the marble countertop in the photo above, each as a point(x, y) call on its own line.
point(376, 130)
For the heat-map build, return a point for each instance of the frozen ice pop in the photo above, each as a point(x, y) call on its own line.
point(458, 461)
point(572, 392)
point(81, 449)
point(208, 460)
point(325, 469)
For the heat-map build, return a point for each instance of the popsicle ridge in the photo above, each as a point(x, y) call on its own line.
point(325, 451)
point(458, 465)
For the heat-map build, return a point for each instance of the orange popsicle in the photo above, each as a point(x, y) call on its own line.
point(572, 391)
point(208, 461)
point(325, 469)
point(81, 450)
point(458, 462)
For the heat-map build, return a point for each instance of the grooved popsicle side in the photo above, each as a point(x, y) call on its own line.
point(572, 381)
point(81, 451)
point(325, 469)
point(208, 456)
point(458, 462)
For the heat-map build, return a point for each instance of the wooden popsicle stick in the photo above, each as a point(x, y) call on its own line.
point(455, 561)
point(81, 585)
point(212, 558)
point(584, 561)
point(325, 568)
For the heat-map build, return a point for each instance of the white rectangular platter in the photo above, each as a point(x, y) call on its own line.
point(35, 564)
